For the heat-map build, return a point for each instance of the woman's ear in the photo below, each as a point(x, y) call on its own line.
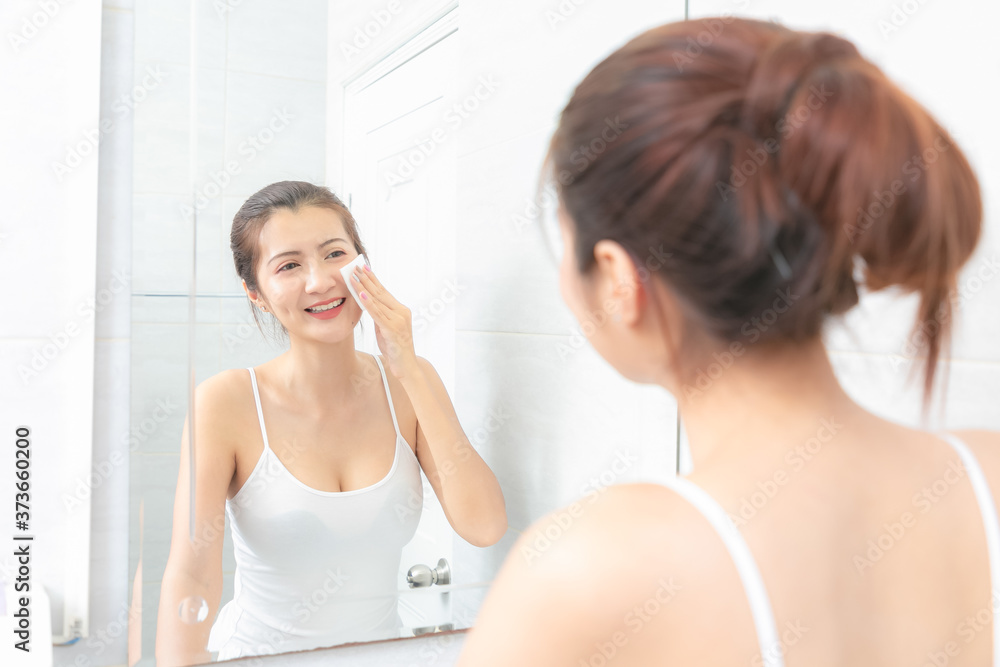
point(634, 297)
point(253, 296)
point(616, 281)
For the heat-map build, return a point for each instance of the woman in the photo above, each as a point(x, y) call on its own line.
point(318, 524)
point(757, 181)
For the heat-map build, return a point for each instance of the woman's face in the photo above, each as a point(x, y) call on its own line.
point(301, 254)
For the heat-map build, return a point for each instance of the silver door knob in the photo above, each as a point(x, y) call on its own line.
point(420, 576)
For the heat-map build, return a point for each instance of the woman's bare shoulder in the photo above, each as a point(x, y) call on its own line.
point(638, 525)
point(585, 566)
point(224, 400)
point(224, 386)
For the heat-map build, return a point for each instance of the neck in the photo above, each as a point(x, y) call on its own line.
point(320, 375)
point(765, 400)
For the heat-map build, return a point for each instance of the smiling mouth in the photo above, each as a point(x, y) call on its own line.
point(329, 306)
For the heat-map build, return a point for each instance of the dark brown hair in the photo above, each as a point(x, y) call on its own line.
point(752, 158)
point(244, 239)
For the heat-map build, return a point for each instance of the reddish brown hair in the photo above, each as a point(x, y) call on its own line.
point(754, 158)
point(244, 239)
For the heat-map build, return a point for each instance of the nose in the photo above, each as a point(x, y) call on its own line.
point(321, 279)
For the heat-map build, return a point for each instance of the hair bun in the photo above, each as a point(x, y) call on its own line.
point(770, 141)
point(786, 64)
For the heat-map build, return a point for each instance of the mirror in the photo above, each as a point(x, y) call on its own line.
point(429, 121)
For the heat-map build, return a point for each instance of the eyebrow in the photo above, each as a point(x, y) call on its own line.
point(296, 252)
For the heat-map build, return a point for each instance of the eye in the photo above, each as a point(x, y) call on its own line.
point(283, 268)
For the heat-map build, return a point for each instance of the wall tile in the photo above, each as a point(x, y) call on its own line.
point(163, 31)
point(269, 121)
point(159, 403)
point(538, 52)
point(161, 111)
point(286, 39)
point(512, 283)
point(550, 419)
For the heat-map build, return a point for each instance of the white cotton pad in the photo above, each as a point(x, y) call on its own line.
point(347, 272)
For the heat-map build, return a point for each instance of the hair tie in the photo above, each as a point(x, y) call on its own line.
point(779, 261)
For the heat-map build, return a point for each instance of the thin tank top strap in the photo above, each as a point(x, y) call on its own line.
point(746, 566)
point(388, 396)
point(260, 413)
point(988, 511)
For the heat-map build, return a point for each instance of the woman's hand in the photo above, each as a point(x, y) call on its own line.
point(393, 325)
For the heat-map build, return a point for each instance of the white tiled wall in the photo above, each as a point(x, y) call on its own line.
point(519, 346)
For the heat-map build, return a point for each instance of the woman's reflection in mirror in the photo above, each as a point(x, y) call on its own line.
point(315, 455)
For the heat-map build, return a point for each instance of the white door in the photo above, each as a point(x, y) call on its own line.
point(399, 177)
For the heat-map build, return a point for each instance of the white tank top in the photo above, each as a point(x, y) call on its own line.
point(316, 568)
point(771, 647)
